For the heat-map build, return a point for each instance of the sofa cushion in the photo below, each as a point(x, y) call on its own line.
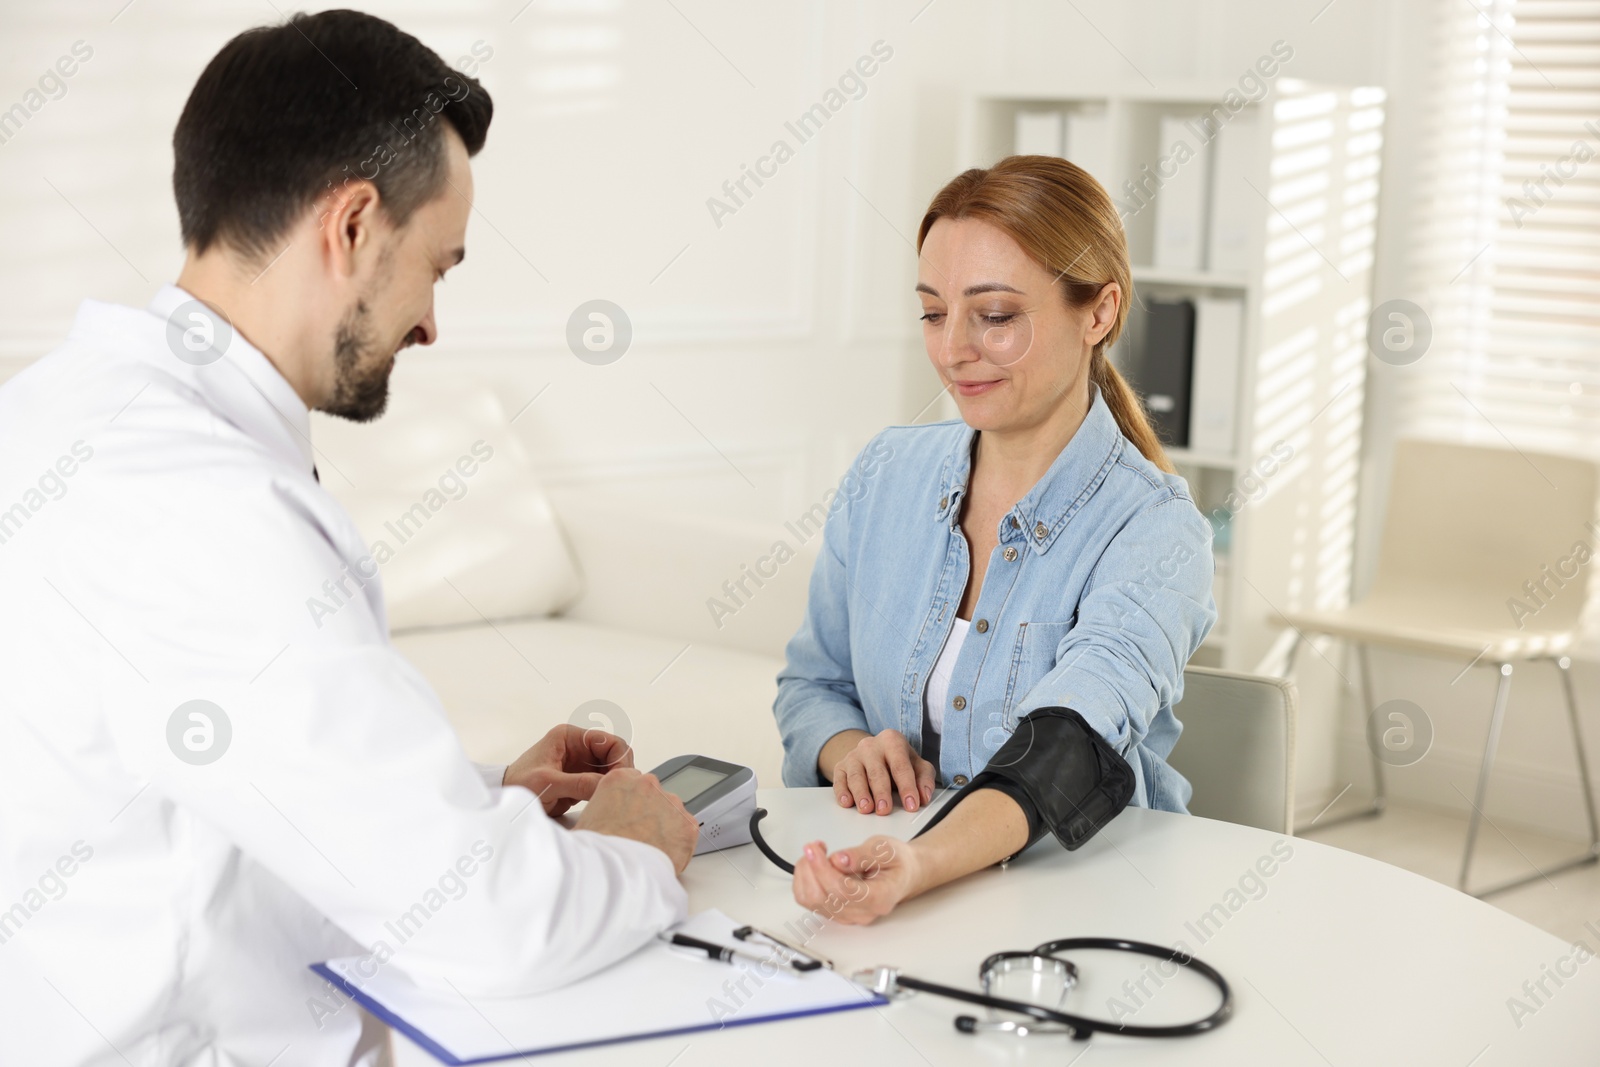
point(445, 497)
point(505, 685)
point(696, 575)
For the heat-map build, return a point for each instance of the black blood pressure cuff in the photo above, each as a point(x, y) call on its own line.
point(1062, 774)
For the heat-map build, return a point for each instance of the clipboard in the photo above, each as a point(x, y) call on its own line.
point(659, 991)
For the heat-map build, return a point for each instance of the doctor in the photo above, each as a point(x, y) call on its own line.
point(201, 792)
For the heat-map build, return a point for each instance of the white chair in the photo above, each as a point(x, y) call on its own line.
point(1237, 747)
point(1470, 532)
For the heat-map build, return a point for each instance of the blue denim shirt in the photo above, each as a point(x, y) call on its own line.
point(1095, 598)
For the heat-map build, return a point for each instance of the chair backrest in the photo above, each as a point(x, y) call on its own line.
point(1469, 525)
point(1237, 747)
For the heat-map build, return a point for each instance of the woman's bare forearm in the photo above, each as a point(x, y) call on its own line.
point(984, 829)
point(836, 748)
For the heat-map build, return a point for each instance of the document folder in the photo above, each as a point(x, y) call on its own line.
point(658, 991)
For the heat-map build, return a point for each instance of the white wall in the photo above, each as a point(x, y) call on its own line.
point(766, 350)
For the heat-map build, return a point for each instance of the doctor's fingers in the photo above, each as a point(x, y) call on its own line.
point(558, 786)
point(591, 749)
point(606, 751)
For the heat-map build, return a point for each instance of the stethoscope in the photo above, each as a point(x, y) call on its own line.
point(1042, 966)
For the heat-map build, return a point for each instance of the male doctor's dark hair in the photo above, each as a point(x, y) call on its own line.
point(284, 115)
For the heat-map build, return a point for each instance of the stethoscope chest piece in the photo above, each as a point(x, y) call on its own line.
point(884, 981)
point(1033, 977)
point(1040, 973)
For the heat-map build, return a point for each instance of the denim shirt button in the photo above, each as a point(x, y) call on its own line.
point(1014, 523)
point(1010, 555)
point(983, 626)
point(959, 703)
point(1040, 531)
point(959, 780)
point(944, 502)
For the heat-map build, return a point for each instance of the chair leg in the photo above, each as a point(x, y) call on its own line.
point(1564, 665)
point(1496, 720)
point(1380, 791)
point(1589, 855)
point(1379, 788)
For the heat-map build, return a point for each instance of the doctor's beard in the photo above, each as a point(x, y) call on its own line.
point(361, 375)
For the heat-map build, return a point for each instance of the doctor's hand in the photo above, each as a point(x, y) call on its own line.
point(627, 803)
point(871, 771)
point(856, 886)
point(567, 765)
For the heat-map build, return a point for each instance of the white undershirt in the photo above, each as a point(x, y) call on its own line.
point(939, 680)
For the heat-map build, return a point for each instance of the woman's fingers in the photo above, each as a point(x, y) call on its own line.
point(805, 884)
point(881, 771)
point(905, 776)
point(925, 779)
point(882, 785)
point(813, 880)
point(862, 860)
point(860, 791)
point(836, 888)
point(841, 784)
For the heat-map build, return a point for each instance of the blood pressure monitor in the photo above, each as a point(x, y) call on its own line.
point(721, 796)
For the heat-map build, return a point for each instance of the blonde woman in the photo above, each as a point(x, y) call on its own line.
point(1005, 604)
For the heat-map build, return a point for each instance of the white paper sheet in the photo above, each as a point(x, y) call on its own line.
point(658, 990)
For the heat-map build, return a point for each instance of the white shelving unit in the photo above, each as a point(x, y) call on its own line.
point(1308, 194)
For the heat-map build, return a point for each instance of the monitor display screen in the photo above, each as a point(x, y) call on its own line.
point(691, 782)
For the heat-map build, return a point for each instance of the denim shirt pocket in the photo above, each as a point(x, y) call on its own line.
point(1033, 656)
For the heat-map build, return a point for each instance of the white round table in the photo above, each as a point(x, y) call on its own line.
point(1333, 958)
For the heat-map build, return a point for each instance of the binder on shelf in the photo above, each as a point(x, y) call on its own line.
point(1182, 200)
point(1088, 143)
point(1218, 338)
point(1233, 203)
point(657, 991)
point(1037, 133)
point(1159, 363)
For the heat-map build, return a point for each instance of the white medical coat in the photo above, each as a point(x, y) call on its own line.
point(160, 533)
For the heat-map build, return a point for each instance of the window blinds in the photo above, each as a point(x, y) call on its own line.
point(1509, 230)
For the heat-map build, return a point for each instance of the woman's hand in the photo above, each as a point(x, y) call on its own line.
point(877, 769)
point(857, 885)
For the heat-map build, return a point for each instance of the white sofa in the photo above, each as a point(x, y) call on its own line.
point(521, 606)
